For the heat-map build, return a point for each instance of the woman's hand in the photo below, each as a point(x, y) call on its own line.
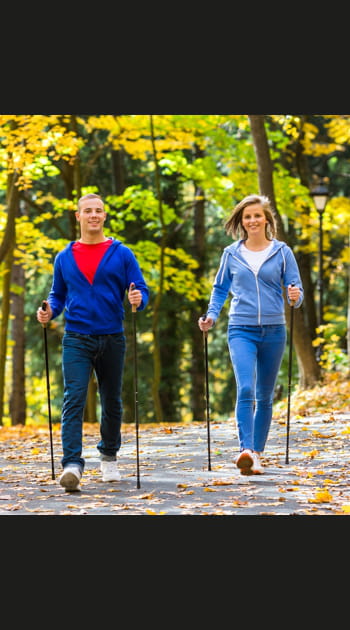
point(293, 293)
point(205, 324)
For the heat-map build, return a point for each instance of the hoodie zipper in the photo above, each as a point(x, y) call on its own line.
point(256, 273)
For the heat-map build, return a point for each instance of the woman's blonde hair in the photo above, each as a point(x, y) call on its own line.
point(233, 225)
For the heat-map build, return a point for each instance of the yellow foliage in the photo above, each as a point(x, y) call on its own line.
point(339, 128)
point(312, 147)
point(27, 139)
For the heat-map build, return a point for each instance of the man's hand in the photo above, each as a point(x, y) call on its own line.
point(44, 316)
point(134, 296)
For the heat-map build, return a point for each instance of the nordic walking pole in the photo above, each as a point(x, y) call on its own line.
point(136, 404)
point(289, 373)
point(205, 339)
point(43, 306)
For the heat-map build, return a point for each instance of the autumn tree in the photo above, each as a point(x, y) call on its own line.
point(308, 365)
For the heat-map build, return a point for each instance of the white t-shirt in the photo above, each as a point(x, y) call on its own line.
point(255, 259)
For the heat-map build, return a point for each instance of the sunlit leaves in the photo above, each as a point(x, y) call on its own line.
point(137, 203)
point(332, 355)
point(34, 250)
point(339, 128)
point(30, 141)
point(330, 394)
point(179, 269)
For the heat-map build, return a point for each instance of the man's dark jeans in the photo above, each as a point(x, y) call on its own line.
point(80, 356)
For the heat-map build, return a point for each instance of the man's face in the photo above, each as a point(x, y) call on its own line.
point(91, 216)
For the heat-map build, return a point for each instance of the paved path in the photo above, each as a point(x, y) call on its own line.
point(174, 475)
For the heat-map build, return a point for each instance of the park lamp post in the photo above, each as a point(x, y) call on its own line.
point(320, 196)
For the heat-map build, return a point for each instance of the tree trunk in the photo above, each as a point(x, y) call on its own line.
point(171, 337)
point(12, 210)
point(118, 172)
point(12, 199)
point(90, 410)
point(308, 366)
point(5, 314)
point(157, 367)
point(198, 404)
point(348, 319)
point(18, 397)
point(305, 260)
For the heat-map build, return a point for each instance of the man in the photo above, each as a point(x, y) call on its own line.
point(90, 279)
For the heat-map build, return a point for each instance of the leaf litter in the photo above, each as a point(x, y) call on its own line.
point(314, 482)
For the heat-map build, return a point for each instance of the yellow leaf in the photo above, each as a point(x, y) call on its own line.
point(346, 508)
point(147, 496)
point(311, 454)
point(322, 496)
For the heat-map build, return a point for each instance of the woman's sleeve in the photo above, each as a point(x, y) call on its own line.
point(291, 275)
point(221, 287)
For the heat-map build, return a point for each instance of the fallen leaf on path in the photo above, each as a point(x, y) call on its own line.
point(311, 454)
point(322, 496)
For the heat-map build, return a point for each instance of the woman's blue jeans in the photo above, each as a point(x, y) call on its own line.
point(81, 355)
point(256, 354)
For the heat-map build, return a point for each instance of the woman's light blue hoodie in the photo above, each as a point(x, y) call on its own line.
point(257, 298)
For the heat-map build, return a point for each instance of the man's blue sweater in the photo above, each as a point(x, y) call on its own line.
point(97, 308)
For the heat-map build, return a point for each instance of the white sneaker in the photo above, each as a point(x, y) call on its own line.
point(257, 468)
point(70, 478)
point(110, 471)
point(245, 461)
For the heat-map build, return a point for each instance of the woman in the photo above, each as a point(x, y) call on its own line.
point(254, 270)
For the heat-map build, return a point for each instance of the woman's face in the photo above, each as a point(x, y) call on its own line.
point(254, 220)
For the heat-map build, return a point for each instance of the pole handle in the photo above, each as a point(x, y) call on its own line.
point(44, 307)
point(133, 306)
point(205, 332)
point(292, 302)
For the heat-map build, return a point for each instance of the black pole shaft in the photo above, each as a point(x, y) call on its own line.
point(320, 270)
point(289, 377)
point(136, 402)
point(205, 334)
point(320, 282)
point(205, 339)
point(43, 306)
